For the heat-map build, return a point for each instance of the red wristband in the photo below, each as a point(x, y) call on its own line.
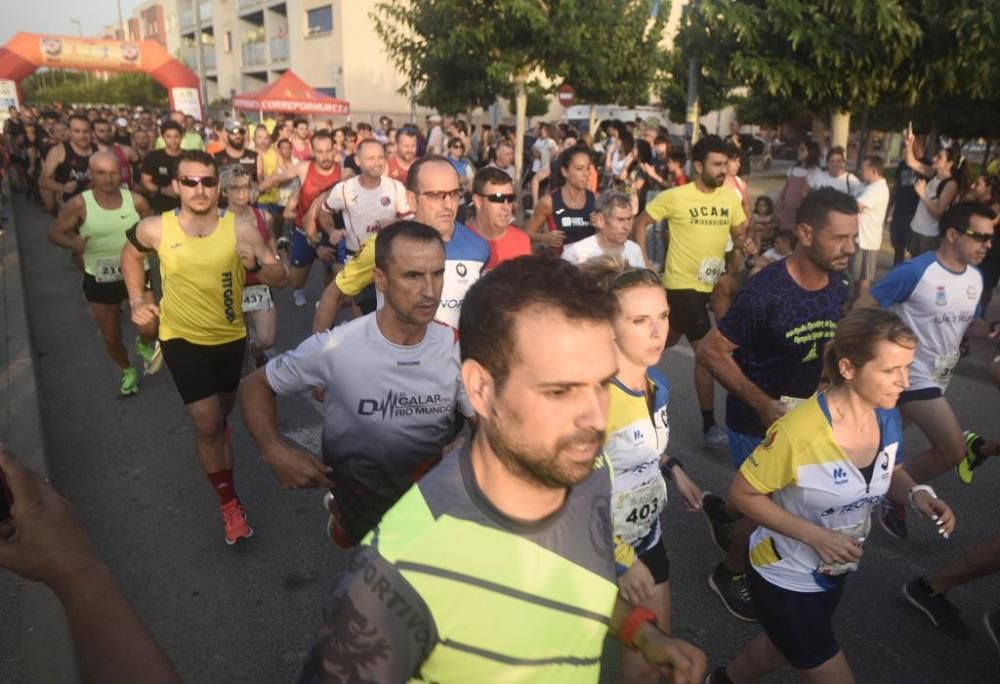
point(639, 616)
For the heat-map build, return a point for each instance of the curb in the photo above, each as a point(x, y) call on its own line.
point(47, 653)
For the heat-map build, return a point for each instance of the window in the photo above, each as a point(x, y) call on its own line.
point(228, 41)
point(332, 92)
point(319, 20)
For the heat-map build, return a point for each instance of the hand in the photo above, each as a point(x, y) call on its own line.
point(749, 247)
point(79, 244)
point(690, 492)
point(297, 469)
point(919, 186)
point(678, 661)
point(909, 138)
point(144, 313)
point(246, 253)
point(553, 238)
point(70, 187)
point(48, 543)
point(336, 235)
point(637, 584)
point(937, 510)
point(326, 253)
point(772, 411)
point(835, 547)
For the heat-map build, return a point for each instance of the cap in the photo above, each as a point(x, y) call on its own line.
point(434, 118)
point(121, 122)
point(233, 123)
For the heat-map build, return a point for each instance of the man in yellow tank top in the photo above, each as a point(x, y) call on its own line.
point(204, 258)
point(93, 225)
point(498, 565)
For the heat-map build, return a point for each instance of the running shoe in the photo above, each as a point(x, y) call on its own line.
point(719, 524)
point(300, 298)
point(893, 519)
point(973, 457)
point(991, 621)
point(716, 437)
point(130, 382)
point(152, 356)
point(940, 611)
point(235, 519)
point(335, 532)
point(732, 589)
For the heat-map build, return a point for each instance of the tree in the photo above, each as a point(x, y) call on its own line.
point(458, 54)
point(837, 55)
point(124, 88)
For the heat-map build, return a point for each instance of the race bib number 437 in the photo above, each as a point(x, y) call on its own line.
point(256, 298)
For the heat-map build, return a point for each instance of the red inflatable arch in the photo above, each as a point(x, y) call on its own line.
point(26, 52)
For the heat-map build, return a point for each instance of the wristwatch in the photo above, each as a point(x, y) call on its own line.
point(257, 266)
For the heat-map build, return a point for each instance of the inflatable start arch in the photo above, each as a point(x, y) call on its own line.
point(26, 52)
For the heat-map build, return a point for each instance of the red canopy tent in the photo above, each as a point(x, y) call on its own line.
point(290, 94)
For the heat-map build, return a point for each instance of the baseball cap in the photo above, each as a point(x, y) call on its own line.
point(233, 124)
point(121, 122)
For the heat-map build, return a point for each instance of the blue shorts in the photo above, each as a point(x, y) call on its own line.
point(741, 446)
point(271, 208)
point(301, 254)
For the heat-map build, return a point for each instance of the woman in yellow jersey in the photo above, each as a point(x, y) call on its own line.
point(204, 257)
point(636, 444)
point(811, 486)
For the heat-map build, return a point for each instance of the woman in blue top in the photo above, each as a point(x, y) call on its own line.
point(811, 486)
point(636, 445)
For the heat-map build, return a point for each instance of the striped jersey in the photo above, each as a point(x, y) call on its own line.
point(807, 473)
point(449, 589)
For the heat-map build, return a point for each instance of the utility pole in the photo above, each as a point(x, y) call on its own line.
point(79, 29)
point(693, 105)
point(199, 54)
point(121, 21)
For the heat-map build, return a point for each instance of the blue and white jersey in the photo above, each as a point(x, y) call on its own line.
point(938, 304)
point(466, 255)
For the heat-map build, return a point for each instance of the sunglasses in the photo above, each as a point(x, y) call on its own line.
point(499, 197)
point(237, 131)
point(635, 276)
point(981, 238)
point(442, 195)
point(194, 181)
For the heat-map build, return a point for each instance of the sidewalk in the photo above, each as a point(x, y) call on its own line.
point(35, 638)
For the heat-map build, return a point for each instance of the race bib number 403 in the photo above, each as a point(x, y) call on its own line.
point(636, 510)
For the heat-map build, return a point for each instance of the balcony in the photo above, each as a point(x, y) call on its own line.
point(249, 4)
point(187, 17)
point(190, 58)
point(279, 49)
point(255, 54)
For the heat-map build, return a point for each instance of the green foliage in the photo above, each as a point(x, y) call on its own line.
point(460, 54)
point(75, 86)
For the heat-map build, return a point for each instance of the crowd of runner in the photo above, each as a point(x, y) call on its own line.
point(504, 498)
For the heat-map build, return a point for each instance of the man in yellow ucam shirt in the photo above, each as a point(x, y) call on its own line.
point(701, 218)
point(204, 257)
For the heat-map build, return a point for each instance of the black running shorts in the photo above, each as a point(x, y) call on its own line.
point(655, 558)
point(201, 371)
point(113, 293)
point(689, 313)
point(798, 623)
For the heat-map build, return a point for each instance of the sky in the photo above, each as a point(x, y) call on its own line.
point(53, 16)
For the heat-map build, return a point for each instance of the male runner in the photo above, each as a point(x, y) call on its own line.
point(316, 177)
point(702, 217)
point(104, 138)
point(65, 171)
point(612, 219)
point(392, 373)
point(937, 296)
point(236, 153)
point(494, 198)
point(767, 351)
point(203, 262)
point(160, 168)
point(366, 203)
point(500, 561)
point(301, 149)
point(406, 154)
point(434, 193)
point(93, 224)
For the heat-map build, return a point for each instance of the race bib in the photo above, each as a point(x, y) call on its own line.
point(791, 402)
point(859, 533)
point(108, 270)
point(710, 270)
point(944, 366)
point(256, 298)
point(636, 510)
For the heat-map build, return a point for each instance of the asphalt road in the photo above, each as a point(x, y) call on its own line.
point(248, 613)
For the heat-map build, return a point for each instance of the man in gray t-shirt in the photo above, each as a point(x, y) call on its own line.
point(392, 390)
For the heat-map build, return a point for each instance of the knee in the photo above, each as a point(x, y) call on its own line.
point(209, 427)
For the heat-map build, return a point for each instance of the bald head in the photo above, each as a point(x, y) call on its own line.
point(104, 171)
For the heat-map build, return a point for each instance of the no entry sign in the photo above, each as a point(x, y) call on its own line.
point(567, 94)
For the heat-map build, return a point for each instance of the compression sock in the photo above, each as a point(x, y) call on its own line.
point(707, 420)
point(222, 482)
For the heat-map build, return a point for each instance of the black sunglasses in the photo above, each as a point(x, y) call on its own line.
point(981, 238)
point(499, 197)
point(237, 131)
point(193, 181)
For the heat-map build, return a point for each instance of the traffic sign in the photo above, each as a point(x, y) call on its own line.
point(567, 94)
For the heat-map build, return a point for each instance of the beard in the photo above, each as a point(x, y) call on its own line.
point(236, 145)
point(535, 464)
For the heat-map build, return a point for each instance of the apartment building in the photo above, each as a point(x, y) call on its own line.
point(330, 44)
